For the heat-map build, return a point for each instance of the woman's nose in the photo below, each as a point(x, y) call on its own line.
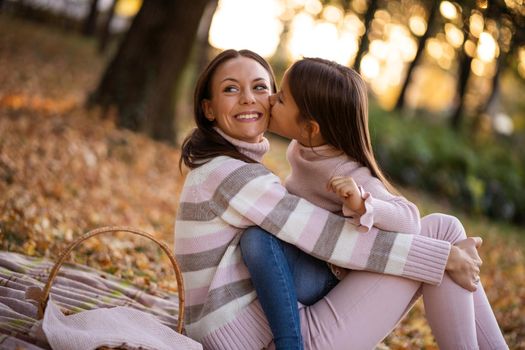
point(247, 97)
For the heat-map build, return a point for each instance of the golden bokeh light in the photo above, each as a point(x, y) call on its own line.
point(386, 95)
point(234, 26)
point(448, 10)
point(288, 14)
point(434, 48)
point(320, 39)
point(521, 54)
point(478, 67)
point(482, 4)
point(313, 6)
point(401, 41)
point(332, 14)
point(393, 72)
point(384, 66)
point(476, 23)
point(353, 24)
point(448, 51)
point(128, 8)
point(444, 62)
point(470, 48)
point(454, 35)
point(446, 54)
point(300, 31)
point(482, 68)
point(417, 25)
point(378, 49)
point(350, 46)
point(359, 6)
point(521, 69)
point(295, 3)
point(369, 67)
point(431, 89)
point(487, 47)
point(318, 29)
point(383, 15)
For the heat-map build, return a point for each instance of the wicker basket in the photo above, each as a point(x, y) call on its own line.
point(44, 297)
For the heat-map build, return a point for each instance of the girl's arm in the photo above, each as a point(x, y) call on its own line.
point(379, 207)
point(251, 195)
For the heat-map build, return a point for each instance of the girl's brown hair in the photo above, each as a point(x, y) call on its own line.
point(336, 98)
point(204, 143)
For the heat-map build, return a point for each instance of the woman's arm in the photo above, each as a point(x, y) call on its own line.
point(251, 195)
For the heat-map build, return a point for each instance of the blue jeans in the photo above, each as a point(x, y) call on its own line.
point(282, 275)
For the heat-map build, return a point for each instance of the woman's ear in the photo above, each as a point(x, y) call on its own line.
point(208, 111)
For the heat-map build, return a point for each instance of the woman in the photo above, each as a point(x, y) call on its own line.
point(228, 191)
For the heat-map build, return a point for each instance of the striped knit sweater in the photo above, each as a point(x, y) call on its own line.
point(223, 197)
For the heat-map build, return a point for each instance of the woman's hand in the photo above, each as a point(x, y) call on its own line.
point(346, 188)
point(464, 262)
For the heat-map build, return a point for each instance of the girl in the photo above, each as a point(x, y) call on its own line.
point(228, 190)
point(322, 106)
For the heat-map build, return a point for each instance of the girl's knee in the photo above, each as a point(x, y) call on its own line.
point(443, 227)
point(253, 242)
point(455, 228)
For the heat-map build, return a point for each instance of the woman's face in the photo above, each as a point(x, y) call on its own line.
point(284, 119)
point(240, 88)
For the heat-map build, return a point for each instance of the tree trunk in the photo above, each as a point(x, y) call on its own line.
point(363, 45)
point(90, 23)
point(106, 28)
point(141, 79)
point(421, 46)
point(464, 74)
point(203, 43)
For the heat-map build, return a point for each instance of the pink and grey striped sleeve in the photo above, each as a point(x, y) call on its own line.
point(251, 195)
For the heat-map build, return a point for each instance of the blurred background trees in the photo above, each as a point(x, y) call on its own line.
point(446, 78)
point(141, 79)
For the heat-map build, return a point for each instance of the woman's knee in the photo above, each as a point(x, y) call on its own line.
point(443, 227)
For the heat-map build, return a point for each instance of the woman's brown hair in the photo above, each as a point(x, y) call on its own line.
point(204, 143)
point(336, 98)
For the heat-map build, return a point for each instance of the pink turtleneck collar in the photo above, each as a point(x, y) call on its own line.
point(253, 150)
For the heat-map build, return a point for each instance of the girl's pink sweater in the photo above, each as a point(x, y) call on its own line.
point(313, 167)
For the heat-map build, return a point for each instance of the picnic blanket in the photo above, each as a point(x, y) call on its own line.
point(76, 288)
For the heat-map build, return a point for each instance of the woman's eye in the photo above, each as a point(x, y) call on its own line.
point(231, 89)
point(261, 87)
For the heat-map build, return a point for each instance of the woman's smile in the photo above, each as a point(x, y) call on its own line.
point(249, 116)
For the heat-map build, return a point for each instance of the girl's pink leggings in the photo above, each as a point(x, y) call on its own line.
point(364, 307)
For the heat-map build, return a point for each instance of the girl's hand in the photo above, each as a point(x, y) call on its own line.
point(346, 188)
point(464, 262)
